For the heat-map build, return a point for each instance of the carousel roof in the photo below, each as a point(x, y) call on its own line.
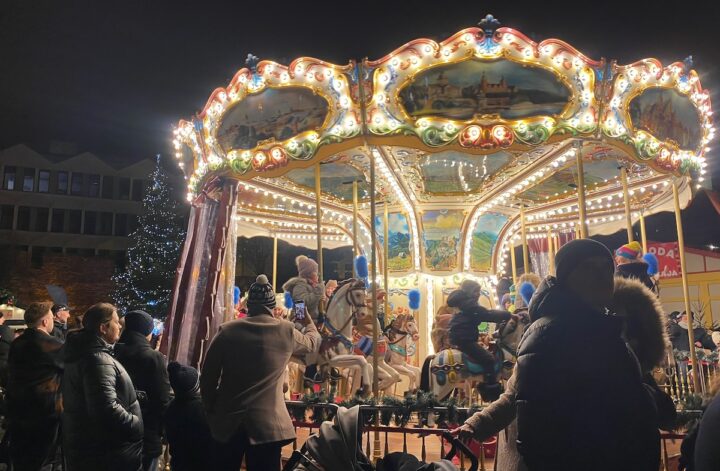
point(463, 133)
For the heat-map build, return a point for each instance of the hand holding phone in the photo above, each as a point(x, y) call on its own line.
point(299, 311)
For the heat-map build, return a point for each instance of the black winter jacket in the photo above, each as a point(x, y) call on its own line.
point(464, 324)
point(581, 402)
point(7, 335)
point(148, 372)
point(681, 342)
point(102, 423)
point(34, 371)
point(188, 434)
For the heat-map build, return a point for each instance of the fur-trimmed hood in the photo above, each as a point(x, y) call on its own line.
point(645, 321)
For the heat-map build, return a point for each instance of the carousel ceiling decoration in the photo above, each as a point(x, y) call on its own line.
point(463, 133)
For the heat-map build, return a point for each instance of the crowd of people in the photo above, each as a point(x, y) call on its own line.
point(582, 395)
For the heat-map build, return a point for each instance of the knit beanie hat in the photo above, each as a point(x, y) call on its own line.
point(629, 251)
point(261, 294)
point(575, 252)
point(139, 321)
point(307, 267)
point(471, 287)
point(183, 379)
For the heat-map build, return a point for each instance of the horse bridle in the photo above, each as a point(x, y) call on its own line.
point(357, 285)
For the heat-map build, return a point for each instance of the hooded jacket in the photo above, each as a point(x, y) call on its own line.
point(300, 289)
point(148, 372)
point(188, 433)
point(581, 401)
point(102, 422)
point(464, 324)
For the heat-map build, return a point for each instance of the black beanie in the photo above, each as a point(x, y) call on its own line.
point(139, 321)
point(261, 294)
point(183, 379)
point(575, 252)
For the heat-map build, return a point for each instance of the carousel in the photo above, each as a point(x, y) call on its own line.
point(473, 158)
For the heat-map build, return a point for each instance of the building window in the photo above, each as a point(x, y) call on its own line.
point(44, 181)
point(137, 190)
point(7, 213)
point(23, 221)
point(58, 220)
point(36, 259)
point(9, 177)
point(75, 221)
point(94, 186)
point(132, 223)
point(106, 220)
point(41, 219)
point(121, 225)
point(123, 188)
point(108, 187)
point(29, 179)
point(77, 184)
point(90, 223)
point(62, 183)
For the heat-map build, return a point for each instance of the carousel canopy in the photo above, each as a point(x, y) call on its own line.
point(463, 133)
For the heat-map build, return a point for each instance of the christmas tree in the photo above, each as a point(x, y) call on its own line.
point(147, 281)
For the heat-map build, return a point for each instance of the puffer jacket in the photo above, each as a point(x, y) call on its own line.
point(300, 289)
point(581, 401)
point(148, 372)
point(102, 423)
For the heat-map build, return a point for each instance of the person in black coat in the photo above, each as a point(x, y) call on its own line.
point(679, 335)
point(61, 313)
point(631, 265)
point(33, 391)
point(146, 368)
point(463, 333)
point(186, 426)
point(581, 401)
point(102, 423)
point(7, 335)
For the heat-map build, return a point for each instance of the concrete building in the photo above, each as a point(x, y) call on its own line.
point(70, 204)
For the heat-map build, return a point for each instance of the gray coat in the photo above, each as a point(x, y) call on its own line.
point(300, 289)
point(242, 377)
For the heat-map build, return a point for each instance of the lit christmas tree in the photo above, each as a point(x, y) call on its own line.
point(147, 281)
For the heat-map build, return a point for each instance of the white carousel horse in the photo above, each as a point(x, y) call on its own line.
point(402, 334)
point(336, 350)
point(450, 369)
point(387, 375)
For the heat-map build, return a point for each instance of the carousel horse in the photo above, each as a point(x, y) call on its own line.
point(336, 349)
point(450, 368)
point(387, 375)
point(402, 333)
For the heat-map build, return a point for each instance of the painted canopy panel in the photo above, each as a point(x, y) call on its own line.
point(667, 115)
point(399, 255)
point(470, 88)
point(271, 114)
point(565, 180)
point(441, 238)
point(335, 179)
point(484, 240)
point(456, 172)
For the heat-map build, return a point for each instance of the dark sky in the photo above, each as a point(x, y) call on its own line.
point(115, 76)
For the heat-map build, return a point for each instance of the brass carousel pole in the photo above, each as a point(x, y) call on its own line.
point(386, 258)
point(275, 258)
point(686, 291)
point(626, 199)
point(513, 261)
point(643, 234)
point(526, 256)
point(551, 253)
point(318, 221)
point(355, 226)
point(581, 194)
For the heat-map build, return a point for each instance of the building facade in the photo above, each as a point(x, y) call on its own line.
point(68, 204)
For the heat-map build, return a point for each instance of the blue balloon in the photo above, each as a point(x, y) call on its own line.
point(414, 299)
point(361, 266)
point(652, 262)
point(526, 291)
point(288, 300)
point(237, 294)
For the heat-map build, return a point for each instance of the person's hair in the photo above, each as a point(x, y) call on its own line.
point(36, 311)
point(97, 315)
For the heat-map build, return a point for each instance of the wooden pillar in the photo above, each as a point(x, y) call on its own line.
point(686, 291)
point(643, 233)
point(356, 252)
point(318, 222)
point(513, 261)
point(551, 253)
point(386, 258)
point(526, 256)
point(275, 258)
point(581, 194)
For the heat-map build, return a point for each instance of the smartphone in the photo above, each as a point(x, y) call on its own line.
point(158, 327)
point(299, 310)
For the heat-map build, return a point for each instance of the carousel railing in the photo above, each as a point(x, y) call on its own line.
point(677, 376)
point(433, 422)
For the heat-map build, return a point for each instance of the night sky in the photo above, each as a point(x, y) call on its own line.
point(114, 77)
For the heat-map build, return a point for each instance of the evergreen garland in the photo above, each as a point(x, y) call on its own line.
point(147, 281)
